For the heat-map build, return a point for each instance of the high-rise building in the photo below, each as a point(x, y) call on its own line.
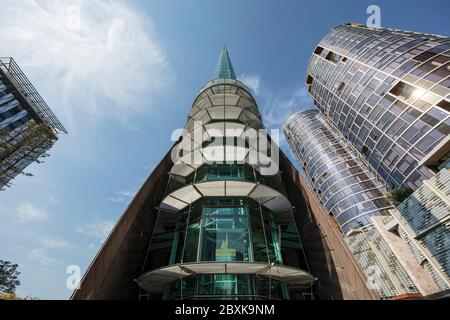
point(351, 194)
point(382, 124)
point(225, 228)
point(224, 216)
point(346, 185)
point(28, 128)
point(388, 92)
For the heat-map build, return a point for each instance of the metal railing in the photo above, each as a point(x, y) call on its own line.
point(29, 92)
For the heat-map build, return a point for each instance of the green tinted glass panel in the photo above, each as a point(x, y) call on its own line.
point(193, 231)
point(224, 67)
point(225, 234)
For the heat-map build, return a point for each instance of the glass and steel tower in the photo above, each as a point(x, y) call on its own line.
point(383, 116)
point(387, 91)
point(350, 192)
point(224, 215)
point(28, 128)
point(225, 228)
point(346, 186)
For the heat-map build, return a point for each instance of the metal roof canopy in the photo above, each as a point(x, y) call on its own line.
point(155, 281)
point(206, 132)
point(223, 81)
point(187, 164)
point(266, 196)
point(221, 113)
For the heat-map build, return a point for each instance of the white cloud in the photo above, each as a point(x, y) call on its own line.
point(116, 199)
point(127, 194)
point(27, 212)
point(89, 59)
point(253, 82)
point(55, 243)
point(53, 200)
point(122, 196)
point(40, 255)
point(98, 229)
point(276, 110)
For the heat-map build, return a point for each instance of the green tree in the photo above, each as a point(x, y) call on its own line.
point(399, 195)
point(9, 277)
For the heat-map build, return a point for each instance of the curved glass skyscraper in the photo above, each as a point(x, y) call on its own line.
point(383, 123)
point(225, 228)
point(388, 92)
point(347, 188)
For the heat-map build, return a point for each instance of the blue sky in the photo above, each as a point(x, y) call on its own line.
point(121, 76)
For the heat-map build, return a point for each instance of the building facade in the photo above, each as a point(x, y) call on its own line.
point(387, 91)
point(398, 266)
point(411, 242)
point(349, 191)
point(424, 221)
point(382, 124)
point(345, 184)
point(381, 263)
point(28, 128)
point(225, 228)
point(220, 218)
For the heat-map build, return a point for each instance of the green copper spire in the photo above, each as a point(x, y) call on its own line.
point(224, 67)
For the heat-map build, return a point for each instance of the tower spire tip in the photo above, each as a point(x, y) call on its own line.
point(224, 67)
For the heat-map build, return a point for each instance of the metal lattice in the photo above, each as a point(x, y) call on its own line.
point(29, 92)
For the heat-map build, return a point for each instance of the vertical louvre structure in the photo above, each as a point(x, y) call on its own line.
point(425, 217)
point(377, 258)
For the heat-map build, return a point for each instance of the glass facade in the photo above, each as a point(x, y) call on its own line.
point(12, 115)
point(224, 227)
point(346, 186)
point(227, 229)
point(383, 123)
point(22, 109)
point(224, 67)
point(227, 287)
point(388, 92)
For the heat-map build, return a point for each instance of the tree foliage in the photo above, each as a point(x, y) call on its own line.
point(9, 277)
point(17, 150)
point(399, 195)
